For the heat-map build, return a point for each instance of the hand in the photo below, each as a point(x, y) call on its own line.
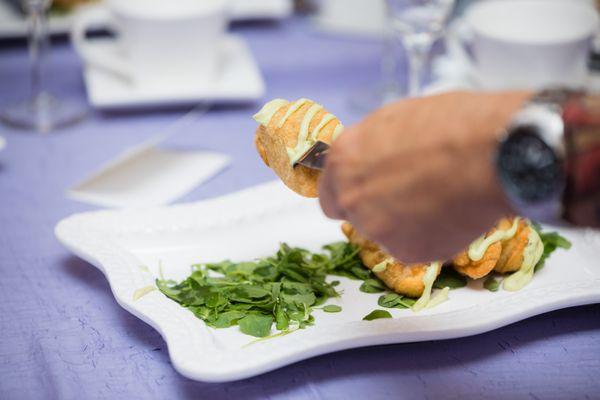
point(417, 176)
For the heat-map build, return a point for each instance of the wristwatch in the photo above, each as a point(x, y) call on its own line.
point(548, 160)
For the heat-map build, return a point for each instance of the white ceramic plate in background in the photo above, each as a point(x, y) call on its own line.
point(240, 80)
point(128, 247)
point(14, 25)
point(2, 143)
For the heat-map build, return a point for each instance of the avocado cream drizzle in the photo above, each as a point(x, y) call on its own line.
point(438, 298)
point(531, 255)
point(336, 132)
point(478, 248)
point(383, 265)
point(428, 278)
point(266, 113)
point(303, 144)
point(324, 121)
point(295, 106)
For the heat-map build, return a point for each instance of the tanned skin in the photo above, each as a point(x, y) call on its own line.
point(417, 176)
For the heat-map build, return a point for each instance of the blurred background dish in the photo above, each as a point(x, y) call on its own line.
point(529, 43)
point(558, 58)
point(175, 43)
point(13, 23)
point(239, 80)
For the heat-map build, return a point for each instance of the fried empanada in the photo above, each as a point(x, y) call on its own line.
point(513, 250)
point(503, 249)
point(287, 130)
point(401, 278)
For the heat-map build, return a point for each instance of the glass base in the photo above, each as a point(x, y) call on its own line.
point(43, 114)
point(369, 99)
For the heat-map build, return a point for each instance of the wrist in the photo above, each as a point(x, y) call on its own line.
point(540, 155)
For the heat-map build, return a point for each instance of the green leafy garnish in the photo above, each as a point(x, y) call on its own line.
point(448, 277)
point(283, 289)
point(551, 242)
point(491, 284)
point(377, 314)
point(332, 308)
point(258, 325)
point(372, 285)
point(393, 300)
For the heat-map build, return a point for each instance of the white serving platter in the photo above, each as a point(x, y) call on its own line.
point(131, 247)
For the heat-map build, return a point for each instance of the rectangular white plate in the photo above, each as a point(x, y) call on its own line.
point(129, 245)
point(239, 80)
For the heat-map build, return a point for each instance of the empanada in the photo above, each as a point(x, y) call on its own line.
point(287, 130)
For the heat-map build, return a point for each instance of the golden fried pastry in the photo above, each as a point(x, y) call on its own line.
point(512, 245)
point(479, 268)
point(402, 279)
point(287, 130)
point(482, 256)
point(513, 249)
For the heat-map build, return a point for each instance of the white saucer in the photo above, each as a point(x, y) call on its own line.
point(240, 80)
point(2, 143)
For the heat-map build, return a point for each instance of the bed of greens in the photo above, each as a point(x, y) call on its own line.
point(285, 289)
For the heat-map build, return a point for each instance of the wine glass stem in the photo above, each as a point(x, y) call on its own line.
point(416, 61)
point(38, 47)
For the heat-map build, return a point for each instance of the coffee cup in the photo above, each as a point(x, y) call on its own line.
point(174, 42)
point(529, 44)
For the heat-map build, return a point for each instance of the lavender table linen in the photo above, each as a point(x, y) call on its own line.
point(64, 336)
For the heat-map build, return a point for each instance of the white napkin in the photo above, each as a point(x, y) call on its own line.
point(151, 174)
point(148, 176)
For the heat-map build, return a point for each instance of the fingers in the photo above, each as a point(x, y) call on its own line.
point(328, 194)
point(335, 176)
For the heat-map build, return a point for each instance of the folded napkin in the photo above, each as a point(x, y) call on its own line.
point(148, 176)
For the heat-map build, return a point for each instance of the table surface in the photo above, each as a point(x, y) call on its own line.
point(64, 336)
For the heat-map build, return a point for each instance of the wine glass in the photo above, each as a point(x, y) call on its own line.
point(418, 24)
point(41, 112)
point(415, 24)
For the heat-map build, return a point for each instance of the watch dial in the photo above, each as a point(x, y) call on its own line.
point(529, 169)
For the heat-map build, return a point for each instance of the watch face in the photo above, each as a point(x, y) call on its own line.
point(530, 170)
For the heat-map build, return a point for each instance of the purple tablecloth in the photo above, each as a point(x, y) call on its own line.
point(64, 336)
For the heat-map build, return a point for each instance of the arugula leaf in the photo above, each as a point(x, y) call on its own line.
point(258, 325)
point(377, 314)
point(491, 284)
point(551, 242)
point(228, 318)
point(448, 277)
point(372, 286)
point(393, 300)
point(332, 308)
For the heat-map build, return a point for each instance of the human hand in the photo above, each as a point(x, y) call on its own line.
point(417, 176)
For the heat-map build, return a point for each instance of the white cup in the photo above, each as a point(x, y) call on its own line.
point(174, 42)
point(529, 44)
